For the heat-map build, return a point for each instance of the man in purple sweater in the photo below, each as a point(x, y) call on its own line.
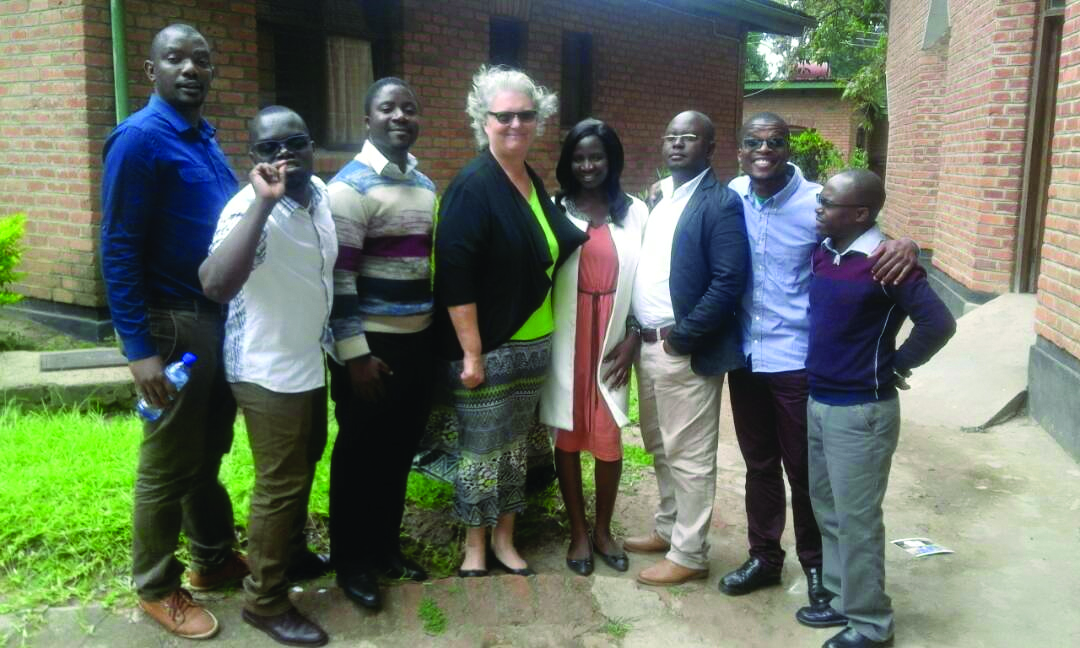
point(853, 415)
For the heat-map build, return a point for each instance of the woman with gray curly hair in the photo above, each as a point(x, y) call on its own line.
point(499, 239)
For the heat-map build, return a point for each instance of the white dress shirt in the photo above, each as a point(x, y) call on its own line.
point(652, 296)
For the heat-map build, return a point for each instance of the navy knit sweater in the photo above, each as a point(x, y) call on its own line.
point(853, 326)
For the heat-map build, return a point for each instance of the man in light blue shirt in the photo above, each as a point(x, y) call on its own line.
point(769, 396)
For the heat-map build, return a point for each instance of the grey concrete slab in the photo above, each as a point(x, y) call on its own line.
point(82, 359)
point(23, 381)
point(982, 373)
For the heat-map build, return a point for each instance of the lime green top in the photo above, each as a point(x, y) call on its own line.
point(542, 321)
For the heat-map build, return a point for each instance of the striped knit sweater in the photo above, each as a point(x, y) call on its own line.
point(382, 280)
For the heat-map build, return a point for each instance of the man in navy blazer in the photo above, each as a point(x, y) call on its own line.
point(690, 280)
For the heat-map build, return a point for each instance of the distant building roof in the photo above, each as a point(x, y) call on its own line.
point(757, 15)
point(811, 72)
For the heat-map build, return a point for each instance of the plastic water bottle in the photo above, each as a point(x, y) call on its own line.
point(177, 373)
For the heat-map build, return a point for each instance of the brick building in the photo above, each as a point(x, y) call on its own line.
point(984, 168)
point(631, 63)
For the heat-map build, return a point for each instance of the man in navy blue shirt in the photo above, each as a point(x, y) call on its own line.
point(165, 183)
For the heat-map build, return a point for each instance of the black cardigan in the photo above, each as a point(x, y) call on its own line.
point(489, 250)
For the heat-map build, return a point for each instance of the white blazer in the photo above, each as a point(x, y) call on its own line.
point(557, 394)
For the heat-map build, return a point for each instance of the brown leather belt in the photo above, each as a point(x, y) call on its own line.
point(655, 334)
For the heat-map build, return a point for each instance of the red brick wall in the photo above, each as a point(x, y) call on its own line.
point(641, 77)
point(915, 85)
point(969, 143)
point(48, 79)
point(57, 106)
point(1058, 312)
point(821, 109)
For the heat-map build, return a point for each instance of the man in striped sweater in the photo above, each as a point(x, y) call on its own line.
point(853, 415)
point(383, 209)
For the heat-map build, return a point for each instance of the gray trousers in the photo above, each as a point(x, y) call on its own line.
point(851, 449)
point(176, 483)
point(287, 434)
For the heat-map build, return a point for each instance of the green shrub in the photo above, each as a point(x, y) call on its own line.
point(11, 231)
point(815, 155)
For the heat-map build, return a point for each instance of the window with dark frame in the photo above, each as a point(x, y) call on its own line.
point(507, 41)
point(318, 58)
point(575, 101)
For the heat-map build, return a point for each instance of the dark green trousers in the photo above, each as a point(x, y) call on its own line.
point(176, 484)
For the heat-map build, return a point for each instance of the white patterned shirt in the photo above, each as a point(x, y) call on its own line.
point(278, 324)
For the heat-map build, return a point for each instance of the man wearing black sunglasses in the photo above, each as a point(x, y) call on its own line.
point(769, 396)
point(272, 261)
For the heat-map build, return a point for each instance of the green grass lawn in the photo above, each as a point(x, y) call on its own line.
point(66, 496)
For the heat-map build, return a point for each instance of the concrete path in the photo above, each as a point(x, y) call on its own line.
point(980, 377)
point(1007, 502)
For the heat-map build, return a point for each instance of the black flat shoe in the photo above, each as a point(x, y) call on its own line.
point(494, 561)
point(820, 617)
point(751, 575)
point(619, 562)
point(581, 567)
point(472, 573)
point(361, 588)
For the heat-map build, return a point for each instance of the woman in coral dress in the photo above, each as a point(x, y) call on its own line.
point(585, 396)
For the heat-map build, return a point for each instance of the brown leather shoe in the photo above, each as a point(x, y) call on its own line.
point(230, 572)
point(651, 543)
point(666, 573)
point(181, 615)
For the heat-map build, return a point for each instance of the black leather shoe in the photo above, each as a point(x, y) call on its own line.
point(494, 561)
point(401, 568)
point(290, 628)
point(815, 588)
point(362, 588)
point(820, 617)
point(308, 566)
point(752, 575)
point(850, 638)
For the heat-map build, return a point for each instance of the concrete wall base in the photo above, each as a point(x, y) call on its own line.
point(1053, 383)
point(957, 297)
point(83, 322)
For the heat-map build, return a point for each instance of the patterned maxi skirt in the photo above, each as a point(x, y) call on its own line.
point(485, 441)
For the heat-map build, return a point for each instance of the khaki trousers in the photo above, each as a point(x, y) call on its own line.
point(287, 434)
point(680, 421)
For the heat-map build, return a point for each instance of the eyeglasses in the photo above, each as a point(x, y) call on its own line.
point(828, 204)
point(754, 143)
point(507, 116)
point(674, 140)
point(270, 148)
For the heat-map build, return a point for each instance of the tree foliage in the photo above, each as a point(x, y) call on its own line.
point(851, 36)
point(757, 69)
point(818, 158)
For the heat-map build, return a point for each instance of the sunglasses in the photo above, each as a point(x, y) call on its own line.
point(270, 148)
point(828, 204)
point(677, 139)
point(774, 143)
point(507, 116)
